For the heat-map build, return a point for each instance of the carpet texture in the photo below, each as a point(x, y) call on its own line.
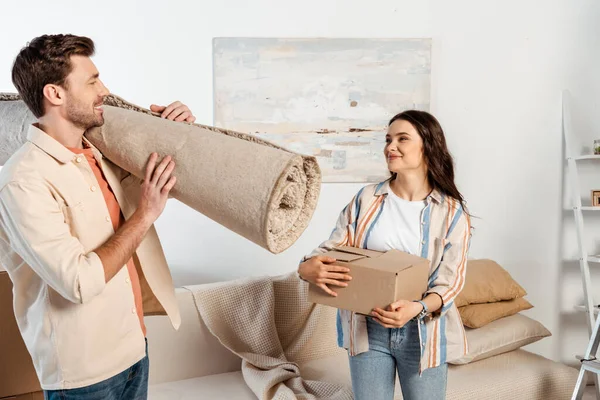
point(255, 188)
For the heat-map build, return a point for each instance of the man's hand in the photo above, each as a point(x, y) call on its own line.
point(176, 111)
point(157, 184)
point(120, 247)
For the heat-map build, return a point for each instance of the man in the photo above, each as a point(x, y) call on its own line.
point(77, 235)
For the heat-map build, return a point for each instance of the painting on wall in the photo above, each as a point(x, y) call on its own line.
point(331, 98)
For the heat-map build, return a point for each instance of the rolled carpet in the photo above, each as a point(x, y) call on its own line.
point(257, 189)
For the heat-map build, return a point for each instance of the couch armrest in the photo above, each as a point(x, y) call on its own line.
point(190, 352)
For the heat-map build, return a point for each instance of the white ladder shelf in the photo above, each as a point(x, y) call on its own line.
point(589, 364)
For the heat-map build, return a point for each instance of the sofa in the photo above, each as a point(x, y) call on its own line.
point(191, 363)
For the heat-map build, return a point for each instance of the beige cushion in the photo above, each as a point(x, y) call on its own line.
point(501, 336)
point(478, 315)
point(487, 282)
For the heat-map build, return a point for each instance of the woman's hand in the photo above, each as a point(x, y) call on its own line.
point(397, 314)
point(320, 271)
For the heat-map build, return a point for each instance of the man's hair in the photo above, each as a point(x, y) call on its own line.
point(46, 60)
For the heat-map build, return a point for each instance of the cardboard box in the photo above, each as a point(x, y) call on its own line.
point(18, 378)
point(378, 279)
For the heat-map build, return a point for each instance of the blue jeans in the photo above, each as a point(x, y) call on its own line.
point(131, 384)
point(374, 372)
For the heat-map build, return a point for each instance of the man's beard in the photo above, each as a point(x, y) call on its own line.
point(83, 116)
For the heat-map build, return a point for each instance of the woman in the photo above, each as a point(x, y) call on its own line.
point(418, 210)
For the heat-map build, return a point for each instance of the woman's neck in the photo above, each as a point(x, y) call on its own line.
point(411, 186)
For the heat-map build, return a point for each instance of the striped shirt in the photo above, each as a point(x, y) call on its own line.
point(445, 240)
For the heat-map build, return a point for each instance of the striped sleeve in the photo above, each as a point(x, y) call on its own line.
point(450, 278)
point(345, 227)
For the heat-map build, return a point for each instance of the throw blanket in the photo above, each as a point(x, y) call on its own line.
point(270, 324)
point(259, 190)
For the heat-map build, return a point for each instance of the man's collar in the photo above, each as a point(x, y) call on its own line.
point(54, 148)
point(48, 144)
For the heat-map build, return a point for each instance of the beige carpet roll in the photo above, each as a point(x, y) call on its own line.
point(259, 190)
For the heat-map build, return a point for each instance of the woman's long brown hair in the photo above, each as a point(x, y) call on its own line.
point(440, 164)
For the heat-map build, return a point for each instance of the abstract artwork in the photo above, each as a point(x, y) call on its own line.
point(331, 98)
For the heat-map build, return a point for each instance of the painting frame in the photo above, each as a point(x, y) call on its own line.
point(327, 97)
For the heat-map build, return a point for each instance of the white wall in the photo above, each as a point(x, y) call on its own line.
point(498, 69)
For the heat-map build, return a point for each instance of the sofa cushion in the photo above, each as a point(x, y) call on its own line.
point(501, 336)
point(487, 282)
point(478, 315)
point(230, 386)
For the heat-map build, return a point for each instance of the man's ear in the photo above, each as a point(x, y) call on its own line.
point(54, 94)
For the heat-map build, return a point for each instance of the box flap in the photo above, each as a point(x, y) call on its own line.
point(342, 256)
point(356, 250)
point(393, 261)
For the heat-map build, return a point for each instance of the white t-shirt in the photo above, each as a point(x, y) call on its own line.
point(398, 227)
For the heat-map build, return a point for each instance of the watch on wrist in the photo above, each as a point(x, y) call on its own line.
point(423, 312)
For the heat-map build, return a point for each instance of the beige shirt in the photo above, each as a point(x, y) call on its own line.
point(78, 329)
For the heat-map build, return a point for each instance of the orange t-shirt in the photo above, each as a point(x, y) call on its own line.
point(117, 220)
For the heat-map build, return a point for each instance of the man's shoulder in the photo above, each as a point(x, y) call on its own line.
point(27, 166)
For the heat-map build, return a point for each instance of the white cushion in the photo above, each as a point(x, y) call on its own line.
point(501, 336)
point(230, 386)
